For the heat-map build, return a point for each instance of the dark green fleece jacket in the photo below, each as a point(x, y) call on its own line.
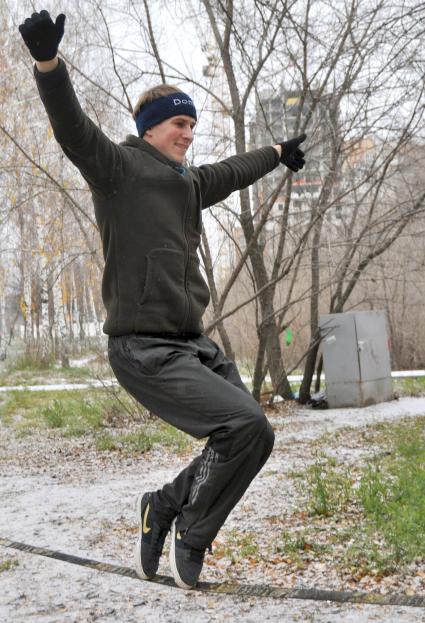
point(148, 213)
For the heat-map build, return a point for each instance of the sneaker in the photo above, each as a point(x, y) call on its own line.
point(151, 539)
point(185, 561)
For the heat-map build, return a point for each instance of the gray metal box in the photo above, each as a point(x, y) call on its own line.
point(356, 358)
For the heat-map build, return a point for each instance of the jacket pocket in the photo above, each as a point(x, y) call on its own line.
point(149, 355)
point(163, 295)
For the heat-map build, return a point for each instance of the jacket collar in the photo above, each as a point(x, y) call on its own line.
point(140, 143)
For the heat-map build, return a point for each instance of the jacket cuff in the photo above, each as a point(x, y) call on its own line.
point(51, 79)
point(276, 156)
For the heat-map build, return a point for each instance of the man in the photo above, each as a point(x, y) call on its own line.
point(148, 209)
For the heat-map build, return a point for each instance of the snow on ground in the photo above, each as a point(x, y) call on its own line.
point(66, 496)
point(314, 423)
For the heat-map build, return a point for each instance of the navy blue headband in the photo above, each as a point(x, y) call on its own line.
point(163, 108)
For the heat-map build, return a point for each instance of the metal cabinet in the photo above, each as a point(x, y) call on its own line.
point(356, 358)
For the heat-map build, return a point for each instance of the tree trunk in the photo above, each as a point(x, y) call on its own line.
point(259, 367)
point(318, 374)
point(310, 364)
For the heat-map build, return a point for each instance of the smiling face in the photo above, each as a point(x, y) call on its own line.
point(172, 137)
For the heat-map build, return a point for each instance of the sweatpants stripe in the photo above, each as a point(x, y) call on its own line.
point(201, 477)
point(204, 472)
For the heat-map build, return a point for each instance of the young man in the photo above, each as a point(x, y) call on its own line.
point(148, 208)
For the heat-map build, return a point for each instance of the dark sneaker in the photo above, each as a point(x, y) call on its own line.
point(151, 539)
point(185, 561)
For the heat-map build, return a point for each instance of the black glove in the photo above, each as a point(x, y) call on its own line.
point(42, 36)
point(292, 156)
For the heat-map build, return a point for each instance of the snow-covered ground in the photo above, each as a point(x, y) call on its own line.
point(67, 496)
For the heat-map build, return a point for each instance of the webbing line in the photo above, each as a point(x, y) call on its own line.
point(227, 588)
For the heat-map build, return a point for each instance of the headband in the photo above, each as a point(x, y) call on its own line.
point(163, 108)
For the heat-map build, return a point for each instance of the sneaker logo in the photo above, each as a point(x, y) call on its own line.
point(145, 528)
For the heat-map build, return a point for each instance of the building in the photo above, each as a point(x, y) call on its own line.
point(283, 114)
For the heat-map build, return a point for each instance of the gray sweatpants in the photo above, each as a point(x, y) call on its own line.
point(189, 383)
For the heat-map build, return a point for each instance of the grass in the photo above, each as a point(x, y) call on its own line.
point(75, 416)
point(7, 565)
point(409, 386)
point(329, 489)
point(28, 367)
point(72, 412)
point(381, 504)
point(93, 413)
point(32, 362)
point(137, 442)
point(166, 435)
point(144, 439)
point(39, 375)
point(238, 546)
point(301, 540)
point(392, 493)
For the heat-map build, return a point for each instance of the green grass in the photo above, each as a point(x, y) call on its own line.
point(392, 493)
point(238, 546)
point(94, 413)
point(409, 387)
point(137, 442)
point(300, 541)
point(166, 435)
point(73, 412)
point(7, 565)
point(25, 366)
point(32, 362)
point(329, 489)
point(75, 416)
point(144, 439)
point(382, 502)
point(40, 375)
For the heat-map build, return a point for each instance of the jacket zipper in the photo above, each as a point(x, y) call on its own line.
point(187, 258)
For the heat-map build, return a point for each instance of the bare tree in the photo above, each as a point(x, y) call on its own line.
point(296, 250)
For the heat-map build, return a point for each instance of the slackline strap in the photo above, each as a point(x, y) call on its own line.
point(227, 588)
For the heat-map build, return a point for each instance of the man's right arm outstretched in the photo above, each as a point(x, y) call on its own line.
point(96, 156)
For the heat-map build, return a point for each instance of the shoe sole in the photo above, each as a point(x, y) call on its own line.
point(177, 579)
point(137, 550)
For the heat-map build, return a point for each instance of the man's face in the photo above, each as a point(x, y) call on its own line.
point(172, 137)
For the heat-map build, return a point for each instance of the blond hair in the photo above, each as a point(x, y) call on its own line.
point(154, 93)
